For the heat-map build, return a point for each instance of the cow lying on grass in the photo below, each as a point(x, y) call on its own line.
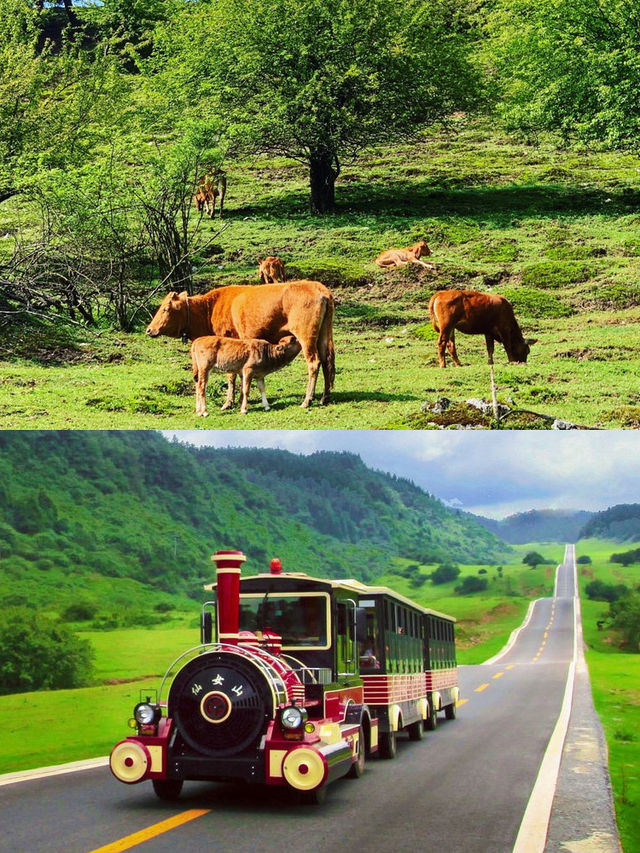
point(252, 358)
point(265, 311)
point(394, 258)
point(476, 313)
point(271, 270)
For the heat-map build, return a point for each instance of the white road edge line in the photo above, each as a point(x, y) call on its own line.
point(532, 834)
point(514, 635)
point(54, 770)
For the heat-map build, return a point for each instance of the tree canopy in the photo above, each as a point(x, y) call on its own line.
point(319, 80)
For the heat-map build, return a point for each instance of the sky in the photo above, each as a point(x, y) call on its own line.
point(489, 473)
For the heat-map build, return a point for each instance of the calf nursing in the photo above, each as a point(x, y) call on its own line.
point(252, 358)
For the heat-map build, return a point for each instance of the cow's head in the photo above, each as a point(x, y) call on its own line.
point(522, 350)
point(418, 250)
point(171, 318)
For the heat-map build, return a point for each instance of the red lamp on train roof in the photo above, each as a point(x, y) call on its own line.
point(275, 566)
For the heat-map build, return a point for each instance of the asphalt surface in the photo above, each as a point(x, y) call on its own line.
point(463, 788)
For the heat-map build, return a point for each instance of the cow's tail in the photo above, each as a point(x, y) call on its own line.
point(432, 313)
point(325, 343)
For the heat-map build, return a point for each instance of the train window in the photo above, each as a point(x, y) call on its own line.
point(302, 620)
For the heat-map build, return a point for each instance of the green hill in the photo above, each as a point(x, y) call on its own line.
point(129, 519)
point(547, 525)
point(620, 523)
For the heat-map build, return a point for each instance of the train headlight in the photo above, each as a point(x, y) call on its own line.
point(293, 718)
point(145, 714)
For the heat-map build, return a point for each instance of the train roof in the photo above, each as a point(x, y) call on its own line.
point(349, 585)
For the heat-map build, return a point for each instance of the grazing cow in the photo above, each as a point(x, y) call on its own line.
point(266, 311)
point(393, 258)
point(252, 358)
point(210, 186)
point(476, 313)
point(271, 270)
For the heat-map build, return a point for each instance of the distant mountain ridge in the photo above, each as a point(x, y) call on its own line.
point(546, 525)
point(620, 523)
point(77, 507)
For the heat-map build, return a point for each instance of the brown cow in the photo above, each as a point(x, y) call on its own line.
point(210, 186)
point(393, 258)
point(252, 358)
point(266, 311)
point(271, 270)
point(476, 313)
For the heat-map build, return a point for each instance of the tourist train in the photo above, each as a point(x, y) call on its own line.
point(296, 682)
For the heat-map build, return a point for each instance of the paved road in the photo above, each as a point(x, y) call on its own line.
point(463, 788)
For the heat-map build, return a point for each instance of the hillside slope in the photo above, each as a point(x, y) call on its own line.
point(81, 512)
point(621, 523)
point(547, 525)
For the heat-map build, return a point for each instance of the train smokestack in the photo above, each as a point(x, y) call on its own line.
point(228, 565)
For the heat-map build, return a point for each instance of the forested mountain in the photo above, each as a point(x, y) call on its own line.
point(77, 508)
point(547, 525)
point(620, 522)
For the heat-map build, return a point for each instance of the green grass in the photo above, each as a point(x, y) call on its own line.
point(615, 681)
point(554, 231)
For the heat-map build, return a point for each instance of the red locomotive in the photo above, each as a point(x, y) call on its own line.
point(306, 677)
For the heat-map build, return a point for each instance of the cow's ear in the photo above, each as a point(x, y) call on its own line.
point(531, 341)
point(173, 295)
point(183, 295)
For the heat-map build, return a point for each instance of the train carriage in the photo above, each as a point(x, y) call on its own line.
point(295, 682)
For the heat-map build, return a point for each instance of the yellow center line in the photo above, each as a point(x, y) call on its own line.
point(151, 831)
point(511, 665)
point(461, 702)
point(498, 675)
point(481, 688)
point(546, 634)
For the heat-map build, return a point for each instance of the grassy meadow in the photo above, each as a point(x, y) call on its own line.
point(615, 682)
point(555, 231)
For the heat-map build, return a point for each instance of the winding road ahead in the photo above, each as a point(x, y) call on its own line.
point(465, 787)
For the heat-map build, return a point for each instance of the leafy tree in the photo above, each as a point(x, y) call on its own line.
point(472, 584)
point(79, 611)
point(320, 80)
point(40, 654)
point(445, 573)
point(600, 591)
point(625, 615)
point(626, 558)
point(571, 66)
point(533, 559)
point(584, 560)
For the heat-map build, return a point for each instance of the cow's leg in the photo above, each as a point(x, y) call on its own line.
point(201, 393)
point(422, 263)
point(231, 392)
point(263, 392)
point(313, 366)
point(443, 340)
point(247, 376)
point(490, 344)
point(451, 346)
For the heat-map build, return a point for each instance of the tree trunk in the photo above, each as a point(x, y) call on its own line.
point(322, 178)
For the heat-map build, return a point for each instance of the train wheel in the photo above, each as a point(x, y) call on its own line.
point(432, 720)
point(357, 768)
point(416, 731)
point(387, 745)
point(450, 711)
point(167, 789)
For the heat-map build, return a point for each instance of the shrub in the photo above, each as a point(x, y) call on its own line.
point(531, 302)
point(445, 573)
point(472, 584)
point(79, 611)
point(584, 560)
point(599, 591)
point(40, 653)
